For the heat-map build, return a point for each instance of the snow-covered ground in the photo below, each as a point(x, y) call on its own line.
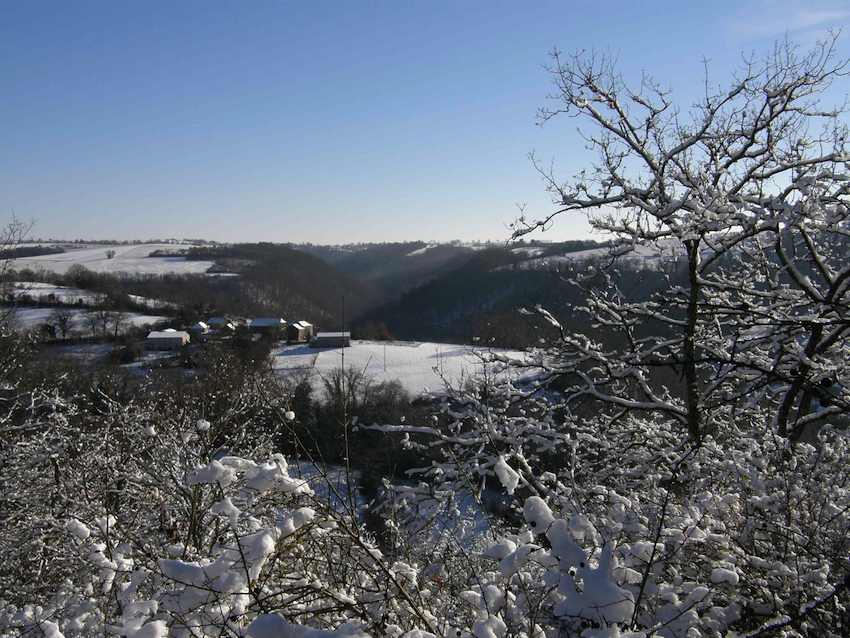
point(25, 318)
point(151, 303)
point(420, 367)
point(61, 294)
point(43, 292)
point(421, 251)
point(462, 519)
point(641, 256)
point(81, 352)
point(648, 256)
point(128, 259)
point(529, 251)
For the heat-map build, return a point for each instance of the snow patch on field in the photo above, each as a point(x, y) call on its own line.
point(528, 251)
point(60, 294)
point(43, 292)
point(421, 251)
point(25, 319)
point(420, 367)
point(649, 256)
point(132, 259)
point(151, 303)
point(82, 352)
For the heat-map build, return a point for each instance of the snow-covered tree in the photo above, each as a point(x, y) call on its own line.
point(678, 503)
point(747, 192)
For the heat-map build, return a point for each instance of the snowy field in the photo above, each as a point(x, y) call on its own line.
point(647, 256)
point(420, 367)
point(45, 293)
point(25, 319)
point(528, 251)
point(60, 294)
point(80, 352)
point(127, 259)
point(421, 251)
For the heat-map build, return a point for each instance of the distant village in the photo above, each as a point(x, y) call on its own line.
point(219, 328)
point(86, 321)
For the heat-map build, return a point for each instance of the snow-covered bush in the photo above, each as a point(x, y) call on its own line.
point(150, 522)
point(637, 529)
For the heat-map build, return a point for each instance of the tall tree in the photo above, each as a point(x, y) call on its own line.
point(747, 191)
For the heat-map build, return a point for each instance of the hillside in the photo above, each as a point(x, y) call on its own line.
point(420, 367)
point(130, 259)
point(393, 268)
point(480, 299)
point(409, 290)
point(277, 279)
point(239, 279)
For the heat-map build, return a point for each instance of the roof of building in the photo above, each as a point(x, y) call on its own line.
point(168, 334)
point(302, 324)
point(333, 335)
point(266, 322)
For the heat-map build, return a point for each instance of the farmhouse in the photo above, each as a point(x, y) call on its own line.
point(200, 328)
point(332, 340)
point(218, 323)
point(166, 339)
point(299, 332)
point(221, 324)
point(267, 325)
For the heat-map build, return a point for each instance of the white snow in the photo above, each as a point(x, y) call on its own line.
point(132, 259)
point(641, 253)
point(537, 514)
point(78, 529)
point(529, 251)
point(420, 367)
point(83, 352)
point(649, 256)
point(722, 575)
point(501, 550)
point(226, 508)
point(61, 294)
point(169, 333)
point(508, 477)
point(42, 292)
point(273, 626)
point(214, 472)
point(151, 303)
point(153, 629)
point(50, 629)
point(421, 251)
point(26, 318)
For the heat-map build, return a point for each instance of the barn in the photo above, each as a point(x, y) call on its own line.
point(166, 339)
point(267, 325)
point(221, 324)
point(200, 328)
point(299, 332)
point(332, 340)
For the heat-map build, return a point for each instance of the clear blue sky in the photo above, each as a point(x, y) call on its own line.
point(324, 122)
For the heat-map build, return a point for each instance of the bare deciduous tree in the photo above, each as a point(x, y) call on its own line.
point(748, 188)
point(119, 322)
point(62, 317)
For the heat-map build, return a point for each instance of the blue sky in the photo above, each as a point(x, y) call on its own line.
point(325, 122)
